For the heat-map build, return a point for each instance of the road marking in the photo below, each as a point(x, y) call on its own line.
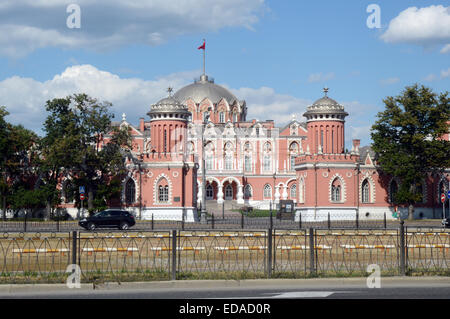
point(303, 294)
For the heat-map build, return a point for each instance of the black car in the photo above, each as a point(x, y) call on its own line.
point(446, 222)
point(110, 218)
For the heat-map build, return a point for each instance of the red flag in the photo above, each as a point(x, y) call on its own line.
point(202, 46)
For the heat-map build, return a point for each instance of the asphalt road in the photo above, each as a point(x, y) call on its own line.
point(201, 291)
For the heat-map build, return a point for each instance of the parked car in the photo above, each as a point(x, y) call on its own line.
point(110, 218)
point(446, 222)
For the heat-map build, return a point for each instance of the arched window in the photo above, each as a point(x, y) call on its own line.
point(229, 192)
point(130, 192)
point(163, 193)
point(248, 163)
point(209, 191)
point(228, 162)
point(336, 190)
point(222, 117)
point(248, 192)
point(293, 152)
point(294, 191)
point(301, 191)
point(267, 191)
point(365, 191)
point(393, 189)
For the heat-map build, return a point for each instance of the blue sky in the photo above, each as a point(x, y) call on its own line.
point(277, 55)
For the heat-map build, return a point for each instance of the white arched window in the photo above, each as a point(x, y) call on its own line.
point(301, 191)
point(365, 191)
point(222, 117)
point(293, 191)
point(248, 192)
point(336, 191)
point(267, 191)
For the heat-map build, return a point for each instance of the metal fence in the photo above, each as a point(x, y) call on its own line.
point(212, 222)
point(241, 253)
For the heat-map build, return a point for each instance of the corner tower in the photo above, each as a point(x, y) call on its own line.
point(325, 125)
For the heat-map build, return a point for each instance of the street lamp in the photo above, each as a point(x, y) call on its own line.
point(203, 209)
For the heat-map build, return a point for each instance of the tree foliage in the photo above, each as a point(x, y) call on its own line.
point(81, 142)
point(407, 138)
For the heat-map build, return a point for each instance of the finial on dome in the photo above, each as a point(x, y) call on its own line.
point(170, 90)
point(124, 117)
point(325, 90)
point(294, 117)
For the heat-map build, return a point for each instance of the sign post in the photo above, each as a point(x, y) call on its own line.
point(81, 190)
point(443, 205)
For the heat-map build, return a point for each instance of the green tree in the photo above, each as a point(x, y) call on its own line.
point(80, 141)
point(407, 138)
point(17, 149)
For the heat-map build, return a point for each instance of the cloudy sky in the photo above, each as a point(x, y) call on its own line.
point(277, 55)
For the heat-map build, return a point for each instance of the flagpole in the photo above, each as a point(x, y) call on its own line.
point(204, 57)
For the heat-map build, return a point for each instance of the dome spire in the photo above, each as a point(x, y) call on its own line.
point(325, 90)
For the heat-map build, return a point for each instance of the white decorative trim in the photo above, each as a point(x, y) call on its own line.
point(150, 174)
point(325, 174)
point(372, 191)
point(348, 174)
point(155, 189)
point(136, 188)
point(343, 189)
point(175, 174)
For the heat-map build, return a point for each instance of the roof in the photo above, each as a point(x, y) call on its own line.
point(205, 88)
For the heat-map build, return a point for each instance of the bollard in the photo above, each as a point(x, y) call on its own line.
point(357, 220)
point(311, 252)
point(74, 247)
point(299, 220)
point(152, 222)
point(329, 220)
point(242, 221)
point(212, 221)
point(269, 252)
point(402, 249)
point(174, 255)
point(385, 220)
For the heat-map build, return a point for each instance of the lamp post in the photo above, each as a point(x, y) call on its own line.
point(203, 209)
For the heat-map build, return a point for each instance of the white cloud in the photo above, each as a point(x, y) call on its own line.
point(25, 98)
point(319, 77)
point(445, 49)
point(445, 73)
point(27, 25)
point(427, 26)
point(389, 81)
point(265, 104)
point(430, 77)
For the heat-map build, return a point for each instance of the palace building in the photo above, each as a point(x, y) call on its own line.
point(255, 163)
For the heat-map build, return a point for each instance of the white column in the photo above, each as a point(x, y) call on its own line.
point(220, 195)
point(240, 195)
point(284, 195)
point(277, 194)
point(199, 194)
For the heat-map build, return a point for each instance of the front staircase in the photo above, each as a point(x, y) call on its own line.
point(230, 208)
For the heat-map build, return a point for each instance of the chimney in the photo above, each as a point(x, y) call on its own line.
point(356, 144)
point(141, 125)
